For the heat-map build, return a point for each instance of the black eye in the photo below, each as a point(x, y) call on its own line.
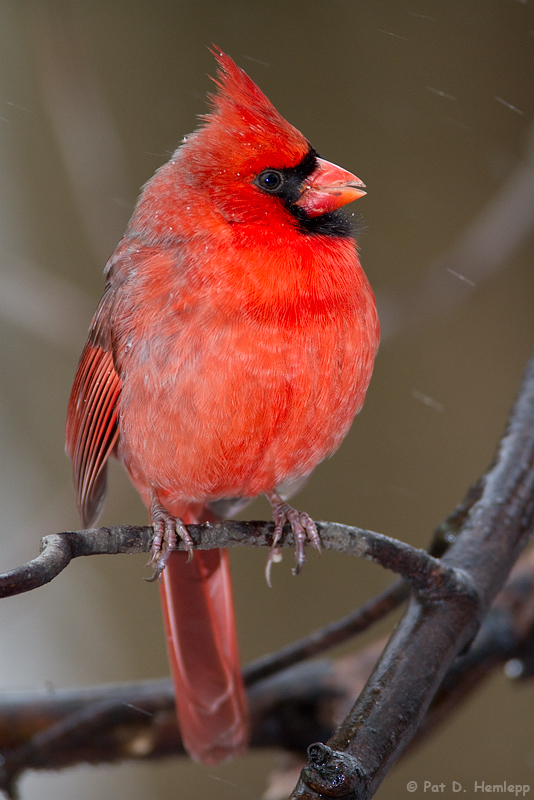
point(270, 180)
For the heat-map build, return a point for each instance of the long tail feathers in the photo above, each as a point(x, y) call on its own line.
point(202, 644)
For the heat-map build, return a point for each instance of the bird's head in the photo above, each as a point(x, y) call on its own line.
point(254, 164)
point(245, 164)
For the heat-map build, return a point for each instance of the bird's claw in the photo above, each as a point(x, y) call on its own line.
point(303, 527)
point(167, 530)
point(275, 556)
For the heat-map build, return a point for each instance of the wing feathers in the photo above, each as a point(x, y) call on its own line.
point(92, 427)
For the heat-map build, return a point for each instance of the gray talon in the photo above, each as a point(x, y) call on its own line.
point(303, 527)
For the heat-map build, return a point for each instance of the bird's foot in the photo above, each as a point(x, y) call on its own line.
point(167, 530)
point(303, 527)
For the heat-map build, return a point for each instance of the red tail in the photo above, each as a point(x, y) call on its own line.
point(202, 644)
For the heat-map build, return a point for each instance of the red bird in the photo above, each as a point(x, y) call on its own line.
point(228, 356)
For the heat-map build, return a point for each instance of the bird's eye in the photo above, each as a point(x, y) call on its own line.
point(270, 180)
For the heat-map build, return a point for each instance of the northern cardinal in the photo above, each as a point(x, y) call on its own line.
point(228, 356)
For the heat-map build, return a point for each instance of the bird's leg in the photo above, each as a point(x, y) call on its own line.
point(303, 528)
point(167, 529)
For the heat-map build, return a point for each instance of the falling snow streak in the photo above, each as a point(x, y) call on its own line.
point(509, 105)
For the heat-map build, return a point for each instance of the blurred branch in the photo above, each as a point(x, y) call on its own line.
point(331, 635)
point(50, 308)
point(499, 229)
point(83, 126)
point(506, 634)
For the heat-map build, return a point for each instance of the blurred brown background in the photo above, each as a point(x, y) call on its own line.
point(431, 104)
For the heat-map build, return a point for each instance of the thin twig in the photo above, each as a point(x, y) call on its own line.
point(331, 635)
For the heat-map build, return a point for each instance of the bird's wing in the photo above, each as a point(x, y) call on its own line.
point(92, 423)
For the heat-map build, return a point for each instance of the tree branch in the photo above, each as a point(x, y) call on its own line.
point(437, 624)
point(57, 550)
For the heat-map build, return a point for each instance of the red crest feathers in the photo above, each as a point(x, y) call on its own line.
point(240, 107)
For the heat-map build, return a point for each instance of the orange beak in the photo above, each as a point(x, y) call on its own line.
point(329, 187)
